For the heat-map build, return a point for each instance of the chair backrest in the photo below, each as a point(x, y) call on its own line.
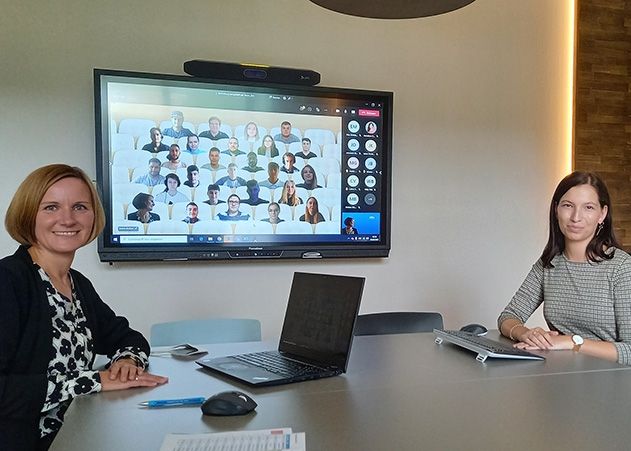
point(169, 226)
point(214, 227)
point(320, 136)
point(205, 331)
point(397, 323)
point(136, 127)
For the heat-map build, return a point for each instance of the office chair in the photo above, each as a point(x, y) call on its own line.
point(397, 323)
point(205, 331)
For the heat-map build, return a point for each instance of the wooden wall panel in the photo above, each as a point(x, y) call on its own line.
point(602, 116)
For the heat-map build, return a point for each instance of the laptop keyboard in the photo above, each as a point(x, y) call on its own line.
point(277, 364)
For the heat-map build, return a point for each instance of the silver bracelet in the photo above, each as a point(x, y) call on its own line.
point(510, 332)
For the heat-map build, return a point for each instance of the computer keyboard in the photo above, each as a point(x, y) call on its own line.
point(485, 347)
point(277, 364)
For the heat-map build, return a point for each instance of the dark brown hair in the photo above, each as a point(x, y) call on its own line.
point(596, 249)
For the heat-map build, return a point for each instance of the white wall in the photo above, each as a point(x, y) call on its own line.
point(479, 138)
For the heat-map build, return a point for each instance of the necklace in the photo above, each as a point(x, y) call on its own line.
point(567, 258)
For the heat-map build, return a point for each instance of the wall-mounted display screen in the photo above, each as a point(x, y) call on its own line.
point(196, 169)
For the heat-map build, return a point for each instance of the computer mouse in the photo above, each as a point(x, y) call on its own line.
point(475, 329)
point(228, 403)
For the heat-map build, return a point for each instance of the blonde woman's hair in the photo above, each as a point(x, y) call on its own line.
point(286, 199)
point(22, 211)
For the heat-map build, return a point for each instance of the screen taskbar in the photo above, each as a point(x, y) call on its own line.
point(205, 239)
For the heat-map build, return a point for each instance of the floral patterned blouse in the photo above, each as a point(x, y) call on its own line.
point(70, 372)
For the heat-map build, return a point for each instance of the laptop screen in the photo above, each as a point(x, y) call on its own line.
point(320, 317)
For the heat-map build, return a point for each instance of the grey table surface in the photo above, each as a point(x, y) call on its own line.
point(401, 392)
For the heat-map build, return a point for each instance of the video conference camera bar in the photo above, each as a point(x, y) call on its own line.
point(252, 72)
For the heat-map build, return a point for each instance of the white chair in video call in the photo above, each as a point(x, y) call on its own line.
point(137, 127)
point(172, 226)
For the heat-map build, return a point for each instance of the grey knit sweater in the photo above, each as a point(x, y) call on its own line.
point(589, 299)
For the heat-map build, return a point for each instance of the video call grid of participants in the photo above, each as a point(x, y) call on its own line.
point(230, 168)
point(360, 163)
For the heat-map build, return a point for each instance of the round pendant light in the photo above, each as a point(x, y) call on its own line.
point(392, 9)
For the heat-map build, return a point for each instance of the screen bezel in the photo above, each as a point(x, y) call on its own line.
point(108, 252)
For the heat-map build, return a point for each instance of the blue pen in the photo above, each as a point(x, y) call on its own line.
point(173, 402)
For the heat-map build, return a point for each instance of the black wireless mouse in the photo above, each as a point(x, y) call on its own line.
point(475, 329)
point(228, 403)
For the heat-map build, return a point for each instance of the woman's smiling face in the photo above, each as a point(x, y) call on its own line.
point(64, 218)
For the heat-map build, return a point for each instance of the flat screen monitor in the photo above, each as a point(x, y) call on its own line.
point(200, 169)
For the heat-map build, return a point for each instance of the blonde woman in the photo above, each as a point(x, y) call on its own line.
point(54, 322)
point(289, 195)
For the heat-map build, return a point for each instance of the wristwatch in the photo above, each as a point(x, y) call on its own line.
point(578, 342)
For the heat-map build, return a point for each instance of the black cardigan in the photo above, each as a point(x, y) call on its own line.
point(26, 344)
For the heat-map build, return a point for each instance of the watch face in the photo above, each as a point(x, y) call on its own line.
point(577, 339)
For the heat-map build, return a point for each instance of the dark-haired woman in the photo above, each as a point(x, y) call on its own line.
point(349, 227)
point(143, 203)
point(171, 195)
point(582, 278)
point(268, 147)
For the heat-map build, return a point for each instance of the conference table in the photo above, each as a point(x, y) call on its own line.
point(400, 392)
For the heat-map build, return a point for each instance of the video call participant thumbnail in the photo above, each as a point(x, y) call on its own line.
point(233, 148)
point(286, 136)
point(213, 195)
point(306, 153)
point(310, 179)
point(213, 158)
point(173, 158)
point(177, 130)
point(268, 147)
point(272, 181)
point(312, 212)
point(192, 212)
point(192, 145)
point(273, 212)
point(289, 196)
point(214, 133)
point(171, 195)
point(143, 203)
point(251, 132)
point(289, 161)
point(252, 165)
point(252, 188)
point(192, 176)
point(231, 180)
point(156, 145)
point(349, 227)
point(153, 176)
point(233, 213)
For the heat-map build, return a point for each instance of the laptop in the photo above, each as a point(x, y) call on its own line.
point(316, 338)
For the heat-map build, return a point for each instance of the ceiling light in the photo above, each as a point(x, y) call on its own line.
point(392, 9)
